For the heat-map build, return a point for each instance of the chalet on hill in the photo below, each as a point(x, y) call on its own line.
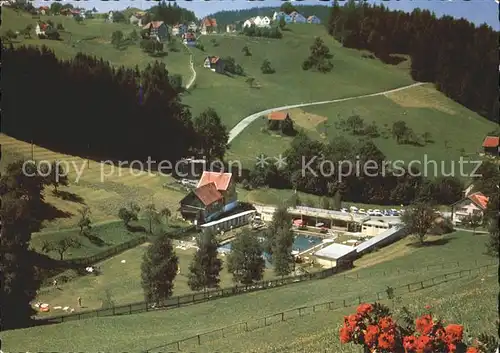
point(189, 38)
point(474, 203)
point(313, 19)
point(208, 25)
point(214, 63)
point(43, 10)
point(157, 30)
point(215, 194)
point(280, 121)
point(490, 146)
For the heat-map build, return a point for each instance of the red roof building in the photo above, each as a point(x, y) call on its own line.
point(208, 194)
point(473, 204)
point(280, 116)
point(490, 145)
point(221, 180)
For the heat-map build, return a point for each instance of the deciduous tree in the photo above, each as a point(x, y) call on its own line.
point(61, 246)
point(418, 218)
point(213, 135)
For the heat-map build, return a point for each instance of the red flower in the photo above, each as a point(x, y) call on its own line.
point(472, 350)
point(364, 309)
point(387, 324)
point(452, 348)
point(410, 344)
point(424, 344)
point(454, 333)
point(440, 334)
point(424, 324)
point(427, 306)
point(345, 334)
point(386, 341)
point(371, 335)
point(352, 320)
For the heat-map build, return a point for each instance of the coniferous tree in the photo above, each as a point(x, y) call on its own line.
point(245, 261)
point(204, 270)
point(282, 258)
point(159, 269)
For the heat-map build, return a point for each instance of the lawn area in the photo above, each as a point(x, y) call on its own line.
point(104, 189)
point(123, 281)
point(352, 75)
point(93, 37)
point(455, 302)
point(153, 329)
point(105, 235)
point(456, 131)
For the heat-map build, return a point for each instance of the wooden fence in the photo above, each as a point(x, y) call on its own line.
point(257, 323)
point(200, 297)
point(106, 254)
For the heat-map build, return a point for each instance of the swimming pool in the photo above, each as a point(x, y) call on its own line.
point(301, 243)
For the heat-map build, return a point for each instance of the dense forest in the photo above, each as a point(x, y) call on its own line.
point(84, 106)
point(227, 17)
point(461, 59)
point(171, 14)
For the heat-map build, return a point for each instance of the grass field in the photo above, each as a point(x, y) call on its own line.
point(104, 195)
point(456, 131)
point(352, 75)
point(152, 329)
point(93, 37)
point(455, 302)
point(123, 281)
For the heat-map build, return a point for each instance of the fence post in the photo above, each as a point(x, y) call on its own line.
point(265, 321)
point(246, 326)
point(314, 308)
point(283, 316)
point(344, 303)
point(199, 340)
point(178, 346)
point(178, 301)
point(329, 305)
point(422, 285)
point(409, 290)
point(222, 331)
point(130, 309)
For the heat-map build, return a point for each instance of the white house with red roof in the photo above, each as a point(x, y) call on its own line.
point(157, 30)
point(474, 203)
point(214, 195)
point(208, 25)
point(40, 28)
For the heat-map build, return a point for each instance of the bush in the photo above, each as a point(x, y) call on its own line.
point(11, 34)
point(199, 46)
point(60, 27)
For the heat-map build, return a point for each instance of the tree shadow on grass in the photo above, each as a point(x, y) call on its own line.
point(431, 242)
point(135, 229)
point(47, 212)
point(69, 196)
point(393, 59)
point(94, 239)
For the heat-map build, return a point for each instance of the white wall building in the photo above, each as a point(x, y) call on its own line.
point(257, 21)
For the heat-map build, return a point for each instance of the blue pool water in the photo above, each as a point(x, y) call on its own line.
point(301, 243)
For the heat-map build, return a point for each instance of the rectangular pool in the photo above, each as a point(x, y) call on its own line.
point(301, 243)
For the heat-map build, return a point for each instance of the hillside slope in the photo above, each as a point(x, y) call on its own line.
point(234, 99)
point(93, 37)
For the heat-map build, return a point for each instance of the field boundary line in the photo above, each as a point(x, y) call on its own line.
point(195, 298)
point(341, 303)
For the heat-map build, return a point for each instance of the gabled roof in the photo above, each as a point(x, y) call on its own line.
point(221, 180)
point(277, 116)
point(153, 24)
point(479, 199)
point(210, 22)
point(208, 194)
point(491, 141)
point(43, 7)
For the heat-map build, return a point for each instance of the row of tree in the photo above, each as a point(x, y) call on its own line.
point(84, 106)
point(246, 261)
point(433, 45)
point(328, 169)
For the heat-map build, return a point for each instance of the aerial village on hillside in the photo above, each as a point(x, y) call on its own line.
point(262, 234)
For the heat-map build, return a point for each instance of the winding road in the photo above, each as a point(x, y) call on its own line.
point(235, 131)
